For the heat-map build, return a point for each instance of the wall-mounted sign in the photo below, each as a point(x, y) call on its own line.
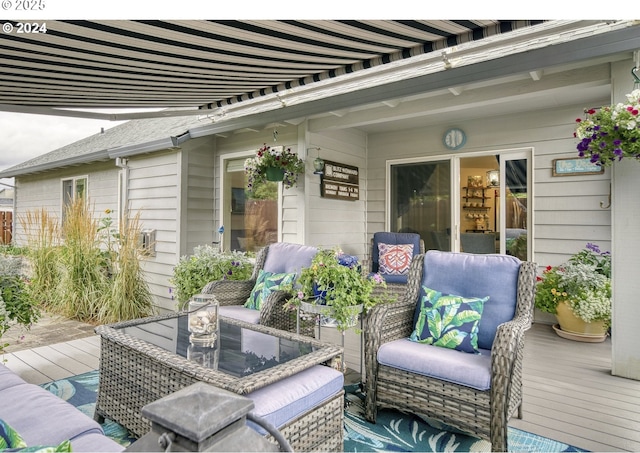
point(340, 181)
point(567, 167)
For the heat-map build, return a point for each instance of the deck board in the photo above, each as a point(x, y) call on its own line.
point(569, 392)
point(570, 395)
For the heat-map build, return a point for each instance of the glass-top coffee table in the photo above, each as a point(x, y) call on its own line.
point(146, 359)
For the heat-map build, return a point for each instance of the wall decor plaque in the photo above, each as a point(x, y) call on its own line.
point(340, 181)
point(579, 166)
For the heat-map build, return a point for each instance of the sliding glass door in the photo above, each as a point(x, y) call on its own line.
point(420, 201)
point(475, 203)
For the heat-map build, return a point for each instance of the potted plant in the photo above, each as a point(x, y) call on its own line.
point(273, 164)
point(335, 285)
point(207, 264)
point(578, 292)
point(611, 132)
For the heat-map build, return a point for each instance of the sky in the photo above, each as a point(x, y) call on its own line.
point(26, 136)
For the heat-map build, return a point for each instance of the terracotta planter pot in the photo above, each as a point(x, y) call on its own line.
point(575, 328)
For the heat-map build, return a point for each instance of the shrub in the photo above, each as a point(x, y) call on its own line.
point(130, 296)
point(43, 253)
point(207, 264)
point(16, 307)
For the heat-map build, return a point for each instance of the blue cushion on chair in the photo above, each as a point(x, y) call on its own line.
point(471, 275)
point(287, 399)
point(283, 257)
point(472, 370)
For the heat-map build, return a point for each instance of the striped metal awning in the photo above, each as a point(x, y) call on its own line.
point(202, 63)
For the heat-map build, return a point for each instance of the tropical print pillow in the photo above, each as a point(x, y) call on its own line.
point(265, 284)
point(394, 259)
point(12, 441)
point(449, 321)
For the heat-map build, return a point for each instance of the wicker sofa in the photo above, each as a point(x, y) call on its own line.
point(476, 393)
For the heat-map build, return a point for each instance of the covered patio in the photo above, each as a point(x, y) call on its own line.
point(511, 97)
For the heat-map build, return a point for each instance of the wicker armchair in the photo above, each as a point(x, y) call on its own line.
point(483, 411)
point(278, 257)
point(396, 284)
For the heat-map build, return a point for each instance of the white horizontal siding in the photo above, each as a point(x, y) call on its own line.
point(568, 211)
point(339, 223)
point(152, 191)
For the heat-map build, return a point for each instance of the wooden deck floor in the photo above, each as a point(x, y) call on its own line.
point(569, 392)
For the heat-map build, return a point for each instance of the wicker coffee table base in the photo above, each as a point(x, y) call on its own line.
point(132, 378)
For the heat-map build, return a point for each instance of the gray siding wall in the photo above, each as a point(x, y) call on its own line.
point(567, 211)
point(44, 191)
point(338, 223)
point(197, 219)
point(153, 190)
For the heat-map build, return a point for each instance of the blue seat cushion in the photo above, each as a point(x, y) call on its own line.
point(42, 418)
point(240, 313)
point(291, 397)
point(471, 275)
point(471, 370)
point(283, 257)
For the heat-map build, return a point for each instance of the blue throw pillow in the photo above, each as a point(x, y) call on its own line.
point(448, 321)
point(10, 440)
point(265, 284)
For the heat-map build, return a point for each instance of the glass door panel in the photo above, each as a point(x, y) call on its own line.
point(516, 208)
point(420, 201)
point(478, 207)
point(252, 216)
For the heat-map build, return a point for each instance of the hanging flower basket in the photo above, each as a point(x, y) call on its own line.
point(610, 133)
point(273, 164)
point(274, 174)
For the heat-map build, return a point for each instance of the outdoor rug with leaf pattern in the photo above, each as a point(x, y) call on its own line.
point(394, 431)
point(397, 431)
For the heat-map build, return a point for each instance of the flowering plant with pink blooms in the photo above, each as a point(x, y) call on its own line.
point(610, 133)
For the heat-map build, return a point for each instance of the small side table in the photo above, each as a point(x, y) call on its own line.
point(320, 310)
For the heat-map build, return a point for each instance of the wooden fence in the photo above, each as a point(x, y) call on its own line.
point(6, 227)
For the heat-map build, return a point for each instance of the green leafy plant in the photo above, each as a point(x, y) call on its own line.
point(584, 282)
point(268, 157)
point(336, 280)
point(207, 264)
point(16, 307)
point(610, 133)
